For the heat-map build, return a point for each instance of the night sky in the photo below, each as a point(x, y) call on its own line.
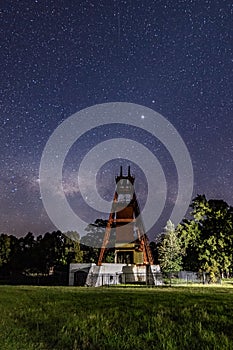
point(58, 57)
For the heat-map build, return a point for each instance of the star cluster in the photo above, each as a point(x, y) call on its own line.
point(58, 57)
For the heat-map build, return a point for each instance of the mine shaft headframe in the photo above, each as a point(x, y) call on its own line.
point(129, 213)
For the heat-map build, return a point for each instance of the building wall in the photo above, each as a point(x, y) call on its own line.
point(108, 274)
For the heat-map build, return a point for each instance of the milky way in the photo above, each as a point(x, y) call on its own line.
point(58, 57)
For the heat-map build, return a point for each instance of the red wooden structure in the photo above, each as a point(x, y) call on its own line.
point(131, 244)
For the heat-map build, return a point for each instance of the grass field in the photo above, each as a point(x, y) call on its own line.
point(104, 318)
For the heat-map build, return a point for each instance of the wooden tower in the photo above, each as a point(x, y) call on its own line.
point(131, 244)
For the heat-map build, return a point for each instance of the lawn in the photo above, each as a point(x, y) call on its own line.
point(116, 318)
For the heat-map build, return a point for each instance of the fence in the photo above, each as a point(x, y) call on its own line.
point(150, 279)
point(117, 279)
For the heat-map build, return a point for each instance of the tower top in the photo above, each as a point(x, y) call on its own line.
point(127, 177)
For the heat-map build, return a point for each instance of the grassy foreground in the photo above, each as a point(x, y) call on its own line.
point(85, 318)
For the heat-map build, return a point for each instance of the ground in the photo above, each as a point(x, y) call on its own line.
point(116, 318)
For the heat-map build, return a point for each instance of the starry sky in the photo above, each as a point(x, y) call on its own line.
point(58, 57)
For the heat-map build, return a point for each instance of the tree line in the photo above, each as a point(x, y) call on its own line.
point(51, 252)
point(37, 255)
point(203, 242)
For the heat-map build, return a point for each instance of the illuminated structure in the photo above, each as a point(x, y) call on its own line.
point(131, 245)
point(133, 258)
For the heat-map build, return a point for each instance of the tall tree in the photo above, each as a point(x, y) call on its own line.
point(208, 237)
point(72, 252)
point(5, 249)
point(170, 250)
point(93, 240)
point(189, 232)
